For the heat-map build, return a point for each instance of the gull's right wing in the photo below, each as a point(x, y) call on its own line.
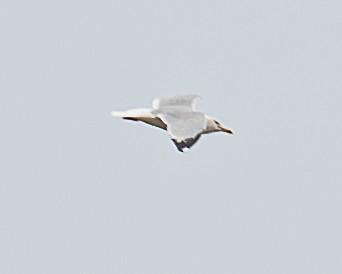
point(180, 102)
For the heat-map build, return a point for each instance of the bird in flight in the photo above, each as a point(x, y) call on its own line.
point(176, 115)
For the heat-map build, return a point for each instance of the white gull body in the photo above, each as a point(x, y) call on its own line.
point(176, 115)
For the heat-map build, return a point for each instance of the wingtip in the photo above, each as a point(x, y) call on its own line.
point(195, 96)
point(118, 114)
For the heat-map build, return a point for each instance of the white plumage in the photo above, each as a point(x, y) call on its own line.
point(178, 116)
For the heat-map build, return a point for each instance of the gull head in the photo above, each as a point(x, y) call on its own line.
point(213, 125)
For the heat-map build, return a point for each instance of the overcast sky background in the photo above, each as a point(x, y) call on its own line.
point(81, 192)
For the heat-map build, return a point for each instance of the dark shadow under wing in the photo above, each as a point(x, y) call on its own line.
point(187, 143)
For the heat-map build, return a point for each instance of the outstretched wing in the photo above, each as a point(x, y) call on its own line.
point(179, 102)
point(141, 114)
point(185, 128)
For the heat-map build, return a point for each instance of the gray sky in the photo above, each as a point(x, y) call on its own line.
point(81, 192)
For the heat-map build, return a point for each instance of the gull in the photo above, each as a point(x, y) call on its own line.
point(176, 115)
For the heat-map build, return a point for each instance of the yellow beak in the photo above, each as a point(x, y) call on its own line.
point(225, 129)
